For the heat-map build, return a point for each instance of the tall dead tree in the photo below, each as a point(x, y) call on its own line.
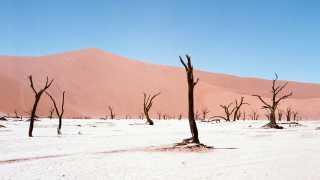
point(237, 108)
point(191, 84)
point(59, 113)
point(228, 110)
point(273, 106)
point(37, 96)
point(204, 113)
point(147, 104)
point(112, 114)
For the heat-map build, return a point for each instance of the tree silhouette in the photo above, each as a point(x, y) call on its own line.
point(191, 84)
point(238, 105)
point(59, 113)
point(112, 114)
point(228, 112)
point(147, 104)
point(37, 95)
point(275, 100)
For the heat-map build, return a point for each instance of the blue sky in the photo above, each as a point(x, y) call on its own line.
point(252, 38)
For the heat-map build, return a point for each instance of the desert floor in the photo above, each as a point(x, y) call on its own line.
point(116, 149)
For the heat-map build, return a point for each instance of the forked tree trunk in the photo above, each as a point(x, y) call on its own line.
point(273, 106)
point(37, 96)
point(191, 84)
point(59, 113)
point(147, 104)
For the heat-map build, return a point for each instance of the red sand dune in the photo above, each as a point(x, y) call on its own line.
point(94, 79)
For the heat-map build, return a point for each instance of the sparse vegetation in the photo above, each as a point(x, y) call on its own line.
point(147, 104)
point(37, 96)
point(191, 84)
point(275, 100)
point(58, 112)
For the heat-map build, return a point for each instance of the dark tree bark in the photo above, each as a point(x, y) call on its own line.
point(164, 117)
point(295, 115)
point(159, 115)
point(191, 84)
point(180, 117)
point(59, 113)
point(205, 112)
point(244, 115)
point(288, 114)
point(141, 116)
point(37, 95)
point(239, 114)
point(112, 114)
point(228, 112)
point(272, 108)
point(51, 113)
point(147, 104)
point(17, 115)
point(254, 115)
point(237, 107)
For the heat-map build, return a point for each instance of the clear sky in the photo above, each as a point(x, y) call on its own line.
point(241, 37)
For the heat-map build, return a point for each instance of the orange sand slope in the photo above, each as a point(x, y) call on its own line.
point(94, 79)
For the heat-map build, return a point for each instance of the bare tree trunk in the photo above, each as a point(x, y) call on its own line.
point(147, 104)
point(227, 111)
point(237, 108)
point(59, 113)
point(272, 108)
point(191, 84)
point(38, 95)
point(112, 114)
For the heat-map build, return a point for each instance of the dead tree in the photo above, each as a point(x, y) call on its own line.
point(244, 116)
point(51, 113)
point(288, 114)
point(37, 95)
point(141, 116)
point(239, 114)
point(236, 115)
point(112, 114)
point(197, 115)
point(204, 113)
point(16, 114)
point(147, 104)
point(228, 112)
point(164, 117)
point(191, 84)
point(295, 115)
point(255, 115)
point(159, 115)
point(280, 114)
point(59, 113)
point(272, 108)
